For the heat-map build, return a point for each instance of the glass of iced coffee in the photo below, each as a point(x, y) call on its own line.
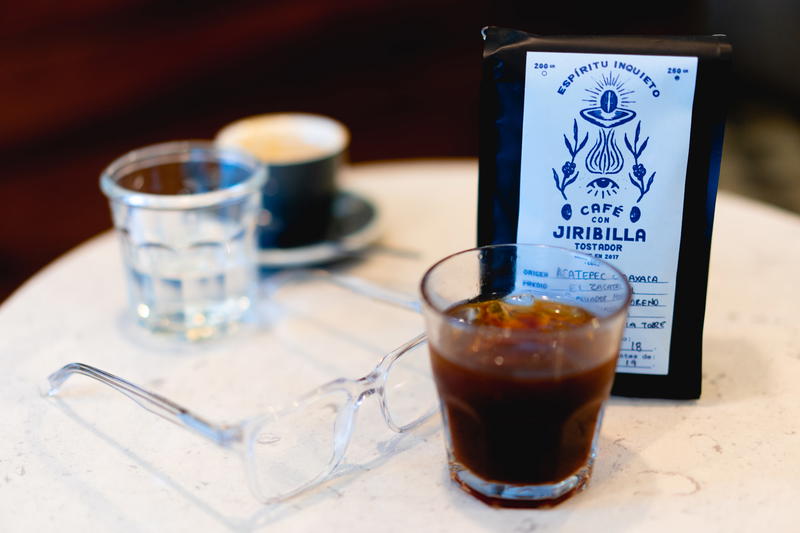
point(524, 342)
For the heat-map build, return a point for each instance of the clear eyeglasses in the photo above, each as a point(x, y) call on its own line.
point(292, 449)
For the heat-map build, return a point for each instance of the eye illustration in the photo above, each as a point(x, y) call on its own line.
point(602, 187)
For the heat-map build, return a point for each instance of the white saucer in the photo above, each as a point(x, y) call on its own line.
point(355, 226)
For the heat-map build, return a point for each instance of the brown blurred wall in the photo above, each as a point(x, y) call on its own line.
point(85, 81)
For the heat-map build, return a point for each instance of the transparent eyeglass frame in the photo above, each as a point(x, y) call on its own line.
point(241, 437)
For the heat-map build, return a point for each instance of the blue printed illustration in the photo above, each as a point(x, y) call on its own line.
point(607, 112)
point(610, 108)
point(605, 156)
point(568, 167)
point(639, 171)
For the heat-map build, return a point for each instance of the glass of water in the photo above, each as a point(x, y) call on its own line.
point(186, 215)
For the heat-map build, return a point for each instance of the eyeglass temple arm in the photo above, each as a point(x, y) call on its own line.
point(354, 284)
point(398, 352)
point(166, 409)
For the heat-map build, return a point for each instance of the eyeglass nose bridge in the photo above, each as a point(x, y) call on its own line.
point(374, 383)
point(378, 377)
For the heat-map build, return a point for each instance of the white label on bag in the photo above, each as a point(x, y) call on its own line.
point(605, 143)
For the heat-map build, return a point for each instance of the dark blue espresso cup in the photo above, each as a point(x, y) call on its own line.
point(302, 153)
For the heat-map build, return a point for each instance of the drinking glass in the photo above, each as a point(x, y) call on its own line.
point(186, 213)
point(522, 405)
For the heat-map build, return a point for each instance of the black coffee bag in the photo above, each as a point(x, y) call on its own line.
point(611, 146)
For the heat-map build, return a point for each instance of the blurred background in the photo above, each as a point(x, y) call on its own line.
point(84, 81)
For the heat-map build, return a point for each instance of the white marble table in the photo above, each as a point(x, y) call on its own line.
point(94, 461)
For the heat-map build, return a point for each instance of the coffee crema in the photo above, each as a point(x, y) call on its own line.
point(280, 149)
point(287, 138)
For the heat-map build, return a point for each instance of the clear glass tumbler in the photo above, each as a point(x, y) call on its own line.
point(186, 213)
point(524, 342)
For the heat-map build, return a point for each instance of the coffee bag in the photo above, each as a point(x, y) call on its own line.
point(611, 146)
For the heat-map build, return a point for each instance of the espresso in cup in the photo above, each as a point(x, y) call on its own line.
point(302, 153)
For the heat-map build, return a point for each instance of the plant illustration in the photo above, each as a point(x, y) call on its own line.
point(639, 170)
point(568, 168)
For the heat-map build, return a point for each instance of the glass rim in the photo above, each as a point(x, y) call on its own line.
point(427, 301)
point(181, 151)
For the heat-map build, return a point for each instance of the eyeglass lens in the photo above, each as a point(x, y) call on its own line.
point(296, 447)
